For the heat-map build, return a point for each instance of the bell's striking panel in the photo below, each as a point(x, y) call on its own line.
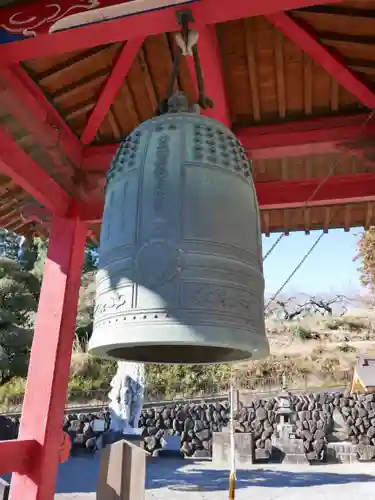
point(180, 269)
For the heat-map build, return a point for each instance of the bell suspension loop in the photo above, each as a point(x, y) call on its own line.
point(186, 41)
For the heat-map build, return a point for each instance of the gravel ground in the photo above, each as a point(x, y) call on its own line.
point(187, 480)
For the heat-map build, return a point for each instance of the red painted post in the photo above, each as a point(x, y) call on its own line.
point(43, 407)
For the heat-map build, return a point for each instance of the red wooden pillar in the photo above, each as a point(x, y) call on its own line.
point(43, 407)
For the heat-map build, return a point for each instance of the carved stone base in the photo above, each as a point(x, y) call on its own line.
point(341, 453)
point(111, 437)
point(289, 451)
point(122, 472)
point(243, 447)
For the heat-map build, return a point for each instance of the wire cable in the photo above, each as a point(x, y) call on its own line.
point(273, 246)
point(301, 262)
point(294, 271)
point(305, 205)
point(323, 181)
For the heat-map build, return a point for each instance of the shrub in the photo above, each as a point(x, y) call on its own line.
point(305, 333)
point(346, 348)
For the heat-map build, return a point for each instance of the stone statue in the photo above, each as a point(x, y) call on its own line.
point(127, 396)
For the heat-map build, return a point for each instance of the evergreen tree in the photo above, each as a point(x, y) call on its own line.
point(84, 324)
point(90, 262)
point(21, 272)
point(9, 244)
point(19, 293)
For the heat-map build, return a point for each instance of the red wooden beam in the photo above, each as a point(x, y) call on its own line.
point(144, 24)
point(47, 381)
point(316, 136)
point(301, 138)
point(212, 70)
point(25, 101)
point(281, 195)
point(18, 455)
point(17, 165)
point(111, 88)
point(336, 190)
point(302, 35)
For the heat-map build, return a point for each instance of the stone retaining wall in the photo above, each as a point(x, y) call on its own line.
point(321, 418)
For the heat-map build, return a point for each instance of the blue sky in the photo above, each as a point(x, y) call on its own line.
point(329, 268)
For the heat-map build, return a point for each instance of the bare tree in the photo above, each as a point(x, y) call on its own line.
point(311, 305)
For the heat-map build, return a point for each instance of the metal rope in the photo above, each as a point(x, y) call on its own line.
point(301, 262)
point(324, 180)
point(273, 246)
point(305, 205)
point(294, 271)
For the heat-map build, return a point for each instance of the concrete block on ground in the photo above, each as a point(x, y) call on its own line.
point(243, 447)
point(343, 453)
point(98, 425)
point(111, 437)
point(289, 451)
point(122, 472)
point(135, 439)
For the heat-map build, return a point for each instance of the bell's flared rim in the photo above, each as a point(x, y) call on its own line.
point(136, 345)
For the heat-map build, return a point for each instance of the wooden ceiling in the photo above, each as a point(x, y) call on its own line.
point(269, 79)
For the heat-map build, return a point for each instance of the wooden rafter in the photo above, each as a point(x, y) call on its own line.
point(17, 165)
point(120, 70)
point(27, 103)
point(304, 37)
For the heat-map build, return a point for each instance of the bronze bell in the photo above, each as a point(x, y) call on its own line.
point(180, 263)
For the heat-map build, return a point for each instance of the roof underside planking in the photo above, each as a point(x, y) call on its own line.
point(308, 132)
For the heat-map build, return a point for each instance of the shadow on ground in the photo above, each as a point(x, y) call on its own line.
point(79, 474)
